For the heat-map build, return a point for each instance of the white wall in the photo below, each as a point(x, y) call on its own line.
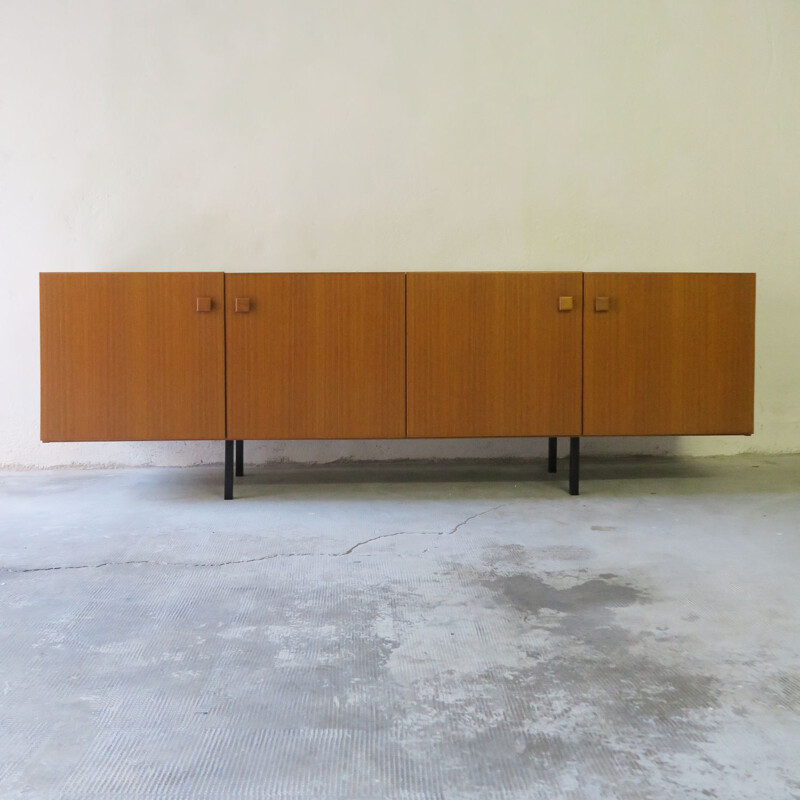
point(400, 134)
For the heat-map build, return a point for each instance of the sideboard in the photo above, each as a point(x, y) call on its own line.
point(134, 356)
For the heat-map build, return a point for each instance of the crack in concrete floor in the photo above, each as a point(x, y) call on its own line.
point(102, 564)
point(423, 533)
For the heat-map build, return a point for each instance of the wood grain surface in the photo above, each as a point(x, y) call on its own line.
point(127, 356)
point(318, 356)
point(490, 354)
point(674, 354)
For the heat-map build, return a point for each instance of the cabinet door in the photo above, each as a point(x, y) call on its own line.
point(128, 356)
point(316, 356)
point(492, 354)
point(673, 354)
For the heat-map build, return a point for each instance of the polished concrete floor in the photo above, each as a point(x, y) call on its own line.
point(403, 631)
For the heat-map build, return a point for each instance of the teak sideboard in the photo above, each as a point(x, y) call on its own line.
point(133, 356)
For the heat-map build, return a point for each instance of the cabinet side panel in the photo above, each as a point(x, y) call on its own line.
point(491, 354)
point(673, 354)
point(128, 356)
point(316, 356)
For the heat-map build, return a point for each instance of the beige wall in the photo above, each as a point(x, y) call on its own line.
point(454, 134)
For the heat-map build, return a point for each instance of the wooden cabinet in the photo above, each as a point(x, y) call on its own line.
point(316, 356)
point(138, 356)
point(132, 356)
point(668, 354)
point(494, 354)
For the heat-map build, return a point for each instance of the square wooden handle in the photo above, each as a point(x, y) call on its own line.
point(204, 304)
point(566, 303)
point(241, 305)
point(602, 304)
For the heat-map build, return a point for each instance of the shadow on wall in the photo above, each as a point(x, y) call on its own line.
point(628, 476)
point(480, 471)
point(455, 449)
point(634, 445)
point(417, 481)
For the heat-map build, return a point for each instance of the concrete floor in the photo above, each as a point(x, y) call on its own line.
point(402, 632)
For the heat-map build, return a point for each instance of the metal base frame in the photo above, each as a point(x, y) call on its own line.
point(228, 493)
point(574, 464)
point(239, 458)
point(234, 462)
point(552, 455)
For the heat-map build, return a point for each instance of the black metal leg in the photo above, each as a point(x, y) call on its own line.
point(552, 454)
point(239, 458)
point(574, 464)
point(229, 469)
